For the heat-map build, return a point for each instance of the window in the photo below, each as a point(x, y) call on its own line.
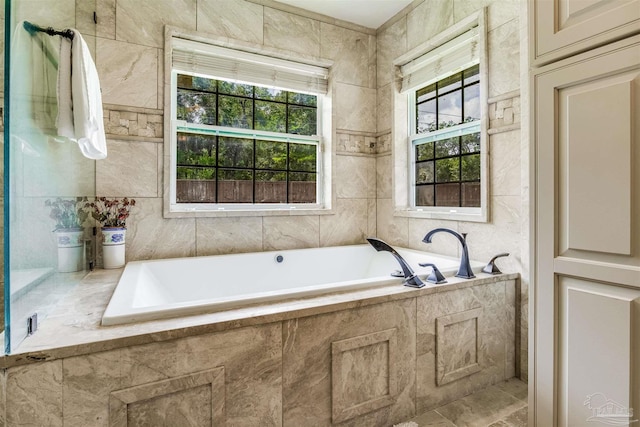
point(443, 89)
point(446, 141)
point(246, 131)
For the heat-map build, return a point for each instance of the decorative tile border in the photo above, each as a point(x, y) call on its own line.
point(446, 346)
point(356, 142)
point(504, 112)
point(121, 399)
point(133, 123)
point(342, 408)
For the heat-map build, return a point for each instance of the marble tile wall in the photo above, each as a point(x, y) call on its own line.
point(129, 58)
point(507, 183)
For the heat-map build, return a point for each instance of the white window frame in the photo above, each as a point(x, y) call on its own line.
point(324, 195)
point(404, 125)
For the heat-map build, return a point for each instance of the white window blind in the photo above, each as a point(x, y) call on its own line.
point(447, 59)
point(201, 58)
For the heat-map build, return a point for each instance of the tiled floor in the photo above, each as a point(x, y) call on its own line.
point(500, 405)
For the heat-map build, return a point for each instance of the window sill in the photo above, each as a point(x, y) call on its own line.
point(176, 212)
point(464, 214)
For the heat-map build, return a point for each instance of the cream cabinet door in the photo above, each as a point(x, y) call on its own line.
point(586, 298)
point(561, 28)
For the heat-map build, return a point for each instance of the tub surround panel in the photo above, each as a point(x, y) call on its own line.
point(235, 19)
point(488, 304)
point(363, 374)
point(191, 400)
point(142, 21)
point(34, 395)
point(353, 53)
point(457, 344)
point(128, 73)
point(291, 32)
point(308, 357)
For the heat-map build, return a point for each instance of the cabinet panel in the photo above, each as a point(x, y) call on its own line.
point(561, 28)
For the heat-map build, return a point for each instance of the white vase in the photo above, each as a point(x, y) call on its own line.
point(113, 244)
point(70, 249)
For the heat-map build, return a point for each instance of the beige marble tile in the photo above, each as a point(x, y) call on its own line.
point(235, 19)
point(88, 380)
point(384, 108)
point(441, 243)
point(490, 342)
point(511, 344)
point(427, 20)
point(353, 53)
point(432, 419)
point(191, 407)
point(150, 236)
point(383, 177)
point(34, 395)
point(252, 360)
point(216, 236)
point(130, 169)
point(393, 230)
point(128, 73)
point(84, 17)
point(142, 21)
point(290, 232)
point(517, 418)
point(355, 177)
point(504, 58)
point(291, 32)
point(46, 13)
point(307, 362)
point(106, 11)
point(391, 44)
point(515, 387)
point(372, 228)
point(349, 225)
point(505, 164)
point(481, 409)
point(354, 108)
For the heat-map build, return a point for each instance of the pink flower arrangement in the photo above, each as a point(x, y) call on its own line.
point(111, 212)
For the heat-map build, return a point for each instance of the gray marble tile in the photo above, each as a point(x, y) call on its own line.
point(353, 53)
point(504, 58)
point(383, 177)
point(150, 236)
point(128, 73)
point(392, 43)
point(188, 408)
point(307, 362)
point(518, 418)
point(432, 419)
point(291, 32)
point(505, 164)
point(34, 395)
point(349, 225)
point(3, 393)
point(427, 20)
point(142, 21)
point(515, 387)
point(393, 230)
point(481, 409)
point(88, 380)
point(216, 236)
point(355, 177)
point(290, 232)
point(46, 13)
point(354, 108)
point(235, 19)
point(130, 169)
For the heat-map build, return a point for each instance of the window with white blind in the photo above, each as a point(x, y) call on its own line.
point(444, 88)
point(246, 130)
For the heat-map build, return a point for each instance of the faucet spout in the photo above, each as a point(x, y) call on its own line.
point(464, 270)
point(410, 277)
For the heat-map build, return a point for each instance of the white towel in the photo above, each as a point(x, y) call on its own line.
point(87, 101)
point(64, 122)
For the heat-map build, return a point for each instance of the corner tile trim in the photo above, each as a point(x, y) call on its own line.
point(442, 376)
point(342, 410)
point(120, 400)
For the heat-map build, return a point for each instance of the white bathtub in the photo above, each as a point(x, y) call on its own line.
point(159, 289)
